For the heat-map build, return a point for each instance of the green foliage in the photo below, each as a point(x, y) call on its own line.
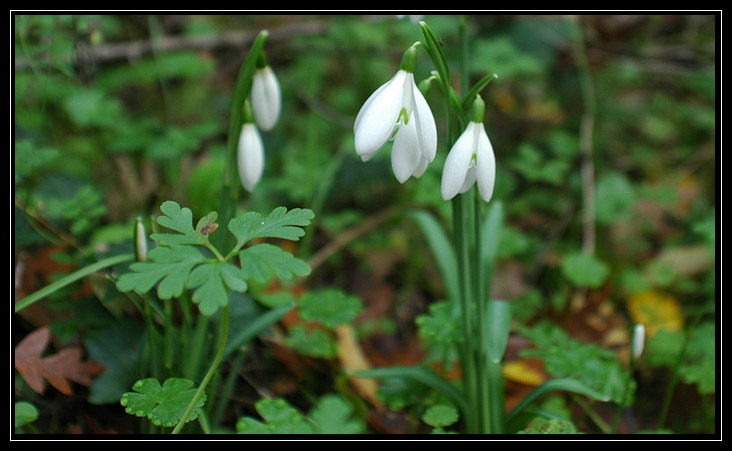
point(584, 270)
point(329, 307)
point(261, 261)
point(312, 342)
point(163, 405)
point(177, 264)
point(24, 413)
point(698, 362)
point(280, 223)
point(440, 332)
point(565, 357)
point(553, 426)
point(331, 415)
point(440, 416)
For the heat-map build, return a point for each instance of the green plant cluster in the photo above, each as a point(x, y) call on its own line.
point(120, 117)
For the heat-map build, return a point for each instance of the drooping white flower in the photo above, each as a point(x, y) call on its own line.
point(250, 156)
point(266, 97)
point(398, 111)
point(471, 158)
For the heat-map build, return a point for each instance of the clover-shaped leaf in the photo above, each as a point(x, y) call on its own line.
point(280, 223)
point(262, 260)
point(329, 307)
point(441, 415)
point(163, 405)
point(181, 220)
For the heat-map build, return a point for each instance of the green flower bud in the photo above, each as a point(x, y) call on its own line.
point(409, 60)
point(477, 112)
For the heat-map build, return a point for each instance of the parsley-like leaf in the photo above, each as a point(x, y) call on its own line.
point(280, 223)
point(168, 265)
point(180, 220)
point(211, 281)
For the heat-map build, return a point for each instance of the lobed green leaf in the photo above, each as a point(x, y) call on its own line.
point(163, 405)
point(261, 261)
point(280, 223)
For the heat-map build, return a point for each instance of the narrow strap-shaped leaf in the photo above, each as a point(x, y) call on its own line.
point(71, 278)
point(418, 374)
point(491, 235)
point(565, 384)
point(499, 327)
point(442, 250)
point(470, 96)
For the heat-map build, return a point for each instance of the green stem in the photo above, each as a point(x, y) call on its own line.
point(193, 358)
point(168, 345)
point(675, 376)
point(476, 273)
point(623, 400)
point(468, 351)
point(214, 365)
point(152, 336)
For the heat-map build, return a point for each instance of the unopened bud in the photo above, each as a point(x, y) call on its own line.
point(639, 336)
point(140, 241)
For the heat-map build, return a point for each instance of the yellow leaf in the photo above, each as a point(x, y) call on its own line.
point(352, 358)
point(656, 311)
point(519, 371)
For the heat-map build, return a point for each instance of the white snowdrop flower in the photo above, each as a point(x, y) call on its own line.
point(250, 156)
point(639, 337)
point(398, 111)
point(471, 158)
point(266, 98)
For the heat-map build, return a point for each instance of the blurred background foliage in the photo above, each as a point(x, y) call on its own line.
point(115, 114)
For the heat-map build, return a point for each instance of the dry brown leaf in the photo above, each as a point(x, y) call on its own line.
point(57, 369)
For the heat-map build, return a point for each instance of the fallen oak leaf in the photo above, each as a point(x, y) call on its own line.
point(57, 369)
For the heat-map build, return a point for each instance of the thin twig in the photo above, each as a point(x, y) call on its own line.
point(342, 240)
point(137, 49)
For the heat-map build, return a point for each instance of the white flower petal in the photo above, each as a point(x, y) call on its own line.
point(377, 118)
point(266, 98)
point(426, 125)
point(250, 156)
point(486, 165)
point(469, 179)
point(405, 153)
point(457, 164)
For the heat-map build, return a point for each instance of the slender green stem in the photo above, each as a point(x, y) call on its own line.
point(214, 365)
point(624, 399)
point(168, 345)
point(152, 337)
point(193, 358)
point(476, 274)
point(468, 351)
